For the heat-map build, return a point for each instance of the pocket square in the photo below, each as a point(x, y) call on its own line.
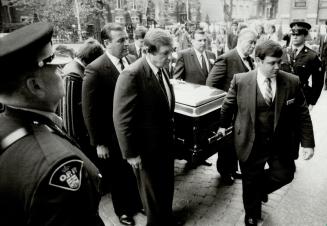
point(291, 101)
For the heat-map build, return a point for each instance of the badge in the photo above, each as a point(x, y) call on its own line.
point(68, 175)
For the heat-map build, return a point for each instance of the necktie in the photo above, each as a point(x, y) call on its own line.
point(268, 91)
point(249, 60)
point(121, 64)
point(160, 79)
point(204, 66)
point(293, 54)
point(140, 53)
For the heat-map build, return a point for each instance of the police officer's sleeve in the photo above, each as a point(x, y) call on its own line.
point(66, 197)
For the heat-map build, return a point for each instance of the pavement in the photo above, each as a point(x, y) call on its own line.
point(202, 200)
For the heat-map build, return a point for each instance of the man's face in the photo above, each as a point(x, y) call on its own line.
point(297, 39)
point(118, 46)
point(161, 57)
point(269, 66)
point(199, 42)
point(139, 42)
point(247, 44)
point(52, 84)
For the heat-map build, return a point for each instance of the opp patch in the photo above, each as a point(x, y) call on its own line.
point(68, 175)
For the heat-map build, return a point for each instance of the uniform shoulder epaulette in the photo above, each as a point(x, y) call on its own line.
point(68, 175)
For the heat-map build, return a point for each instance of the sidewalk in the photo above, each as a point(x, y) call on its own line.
point(201, 200)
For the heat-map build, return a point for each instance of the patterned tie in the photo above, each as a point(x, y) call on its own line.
point(160, 79)
point(121, 64)
point(268, 91)
point(204, 66)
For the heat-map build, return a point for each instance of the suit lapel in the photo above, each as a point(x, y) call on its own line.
point(240, 62)
point(208, 57)
point(252, 92)
point(111, 68)
point(281, 88)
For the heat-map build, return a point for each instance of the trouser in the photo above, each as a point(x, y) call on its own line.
point(119, 178)
point(258, 182)
point(156, 184)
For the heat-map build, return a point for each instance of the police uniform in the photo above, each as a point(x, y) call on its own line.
point(305, 64)
point(44, 178)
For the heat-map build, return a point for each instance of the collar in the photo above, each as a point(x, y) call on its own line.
point(79, 62)
point(261, 77)
point(50, 115)
point(199, 54)
point(113, 59)
point(299, 49)
point(240, 52)
point(153, 68)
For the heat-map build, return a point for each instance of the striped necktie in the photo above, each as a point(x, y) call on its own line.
point(268, 91)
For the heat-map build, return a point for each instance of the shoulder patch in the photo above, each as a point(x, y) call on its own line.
point(68, 175)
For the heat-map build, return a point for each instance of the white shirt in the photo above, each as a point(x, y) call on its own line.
point(242, 58)
point(261, 83)
point(155, 72)
point(199, 56)
point(115, 61)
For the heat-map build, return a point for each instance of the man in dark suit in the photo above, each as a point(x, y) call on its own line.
point(97, 104)
point(270, 118)
point(304, 62)
point(44, 178)
point(232, 36)
point(235, 61)
point(143, 118)
point(136, 48)
point(72, 103)
point(193, 64)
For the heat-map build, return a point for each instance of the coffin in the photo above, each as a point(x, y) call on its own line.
point(197, 111)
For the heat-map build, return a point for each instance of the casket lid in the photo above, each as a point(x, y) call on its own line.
point(196, 100)
point(195, 95)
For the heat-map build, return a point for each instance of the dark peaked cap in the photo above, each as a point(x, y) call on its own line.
point(26, 47)
point(300, 25)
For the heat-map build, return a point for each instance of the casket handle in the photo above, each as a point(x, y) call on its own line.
point(219, 136)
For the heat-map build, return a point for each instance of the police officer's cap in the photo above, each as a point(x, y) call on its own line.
point(29, 46)
point(300, 27)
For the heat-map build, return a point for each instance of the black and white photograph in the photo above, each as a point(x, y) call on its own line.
point(163, 112)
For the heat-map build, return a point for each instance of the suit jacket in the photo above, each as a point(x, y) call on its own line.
point(189, 68)
point(292, 122)
point(97, 101)
point(308, 67)
point(142, 116)
point(225, 67)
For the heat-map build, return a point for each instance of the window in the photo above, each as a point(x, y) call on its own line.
point(300, 3)
point(323, 3)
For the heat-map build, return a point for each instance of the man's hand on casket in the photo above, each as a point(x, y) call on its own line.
point(221, 131)
point(135, 162)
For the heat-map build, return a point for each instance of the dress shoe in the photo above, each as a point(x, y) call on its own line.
point(227, 179)
point(126, 220)
point(250, 221)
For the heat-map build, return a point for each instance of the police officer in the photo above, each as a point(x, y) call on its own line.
point(44, 178)
point(302, 61)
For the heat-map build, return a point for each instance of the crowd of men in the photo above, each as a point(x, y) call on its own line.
point(117, 131)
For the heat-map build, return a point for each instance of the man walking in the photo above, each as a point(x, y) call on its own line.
point(271, 118)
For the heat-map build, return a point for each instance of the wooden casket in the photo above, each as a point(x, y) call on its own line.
point(197, 111)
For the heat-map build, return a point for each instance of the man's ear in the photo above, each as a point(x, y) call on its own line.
point(106, 42)
point(257, 60)
point(35, 86)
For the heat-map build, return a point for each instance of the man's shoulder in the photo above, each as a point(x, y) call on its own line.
point(98, 61)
